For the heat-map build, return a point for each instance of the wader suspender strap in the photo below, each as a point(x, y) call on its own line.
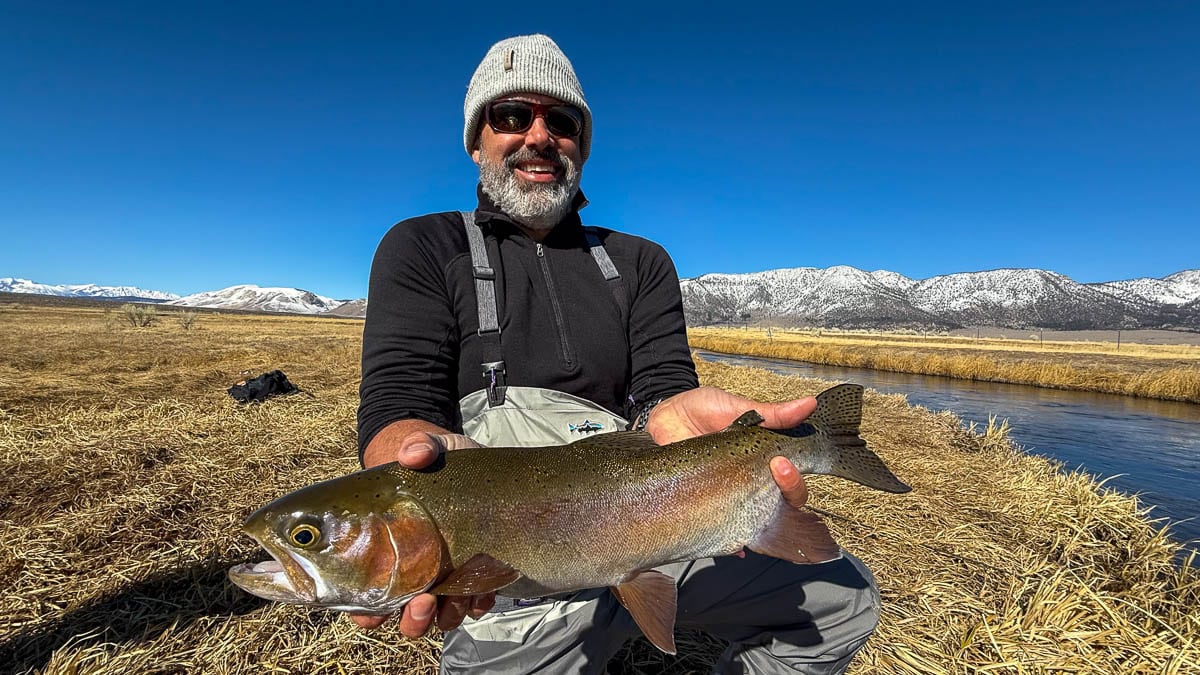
point(489, 320)
point(485, 295)
point(610, 272)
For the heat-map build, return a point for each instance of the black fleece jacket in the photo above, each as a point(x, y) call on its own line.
point(561, 326)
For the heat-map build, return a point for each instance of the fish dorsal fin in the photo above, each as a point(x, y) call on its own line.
point(480, 574)
point(650, 597)
point(617, 440)
point(750, 418)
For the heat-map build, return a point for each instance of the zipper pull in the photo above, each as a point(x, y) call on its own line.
point(539, 250)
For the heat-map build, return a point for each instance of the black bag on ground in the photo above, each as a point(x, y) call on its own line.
point(258, 389)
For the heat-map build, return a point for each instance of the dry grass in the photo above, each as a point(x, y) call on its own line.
point(125, 471)
point(1153, 371)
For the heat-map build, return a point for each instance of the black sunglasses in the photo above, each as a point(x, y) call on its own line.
point(515, 117)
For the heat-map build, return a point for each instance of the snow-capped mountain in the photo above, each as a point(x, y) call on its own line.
point(351, 308)
point(841, 296)
point(837, 296)
point(251, 297)
point(14, 285)
point(851, 298)
point(1178, 289)
point(1026, 298)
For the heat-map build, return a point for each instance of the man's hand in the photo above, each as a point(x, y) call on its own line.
point(707, 409)
point(417, 444)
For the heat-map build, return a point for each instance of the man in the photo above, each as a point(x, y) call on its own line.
point(514, 325)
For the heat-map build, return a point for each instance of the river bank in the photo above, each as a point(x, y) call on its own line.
point(126, 471)
point(1139, 446)
point(1169, 372)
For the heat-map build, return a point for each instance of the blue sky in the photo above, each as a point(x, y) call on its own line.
point(192, 146)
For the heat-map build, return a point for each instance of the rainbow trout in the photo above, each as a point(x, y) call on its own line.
point(529, 522)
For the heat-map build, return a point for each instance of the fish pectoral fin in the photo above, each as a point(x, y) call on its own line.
point(798, 536)
point(481, 574)
point(650, 598)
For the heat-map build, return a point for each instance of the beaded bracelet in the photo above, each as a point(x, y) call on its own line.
point(643, 417)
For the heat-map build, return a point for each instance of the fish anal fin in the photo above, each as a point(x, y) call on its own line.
point(650, 597)
point(797, 536)
point(481, 574)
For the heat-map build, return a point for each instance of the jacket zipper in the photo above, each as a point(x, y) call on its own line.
point(559, 320)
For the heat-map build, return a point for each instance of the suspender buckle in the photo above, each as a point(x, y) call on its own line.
point(496, 378)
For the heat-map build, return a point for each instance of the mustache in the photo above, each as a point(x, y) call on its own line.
point(525, 154)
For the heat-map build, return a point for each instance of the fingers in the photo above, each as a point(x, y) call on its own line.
point(480, 604)
point(422, 611)
point(456, 441)
point(369, 621)
point(790, 482)
point(419, 450)
point(787, 414)
point(452, 611)
point(707, 409)
point(418, 615)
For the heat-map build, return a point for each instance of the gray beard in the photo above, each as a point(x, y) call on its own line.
point(538, 206)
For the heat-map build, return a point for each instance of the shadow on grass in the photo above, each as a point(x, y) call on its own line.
point(136, 613)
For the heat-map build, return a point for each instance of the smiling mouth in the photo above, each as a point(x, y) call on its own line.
point(540, 171)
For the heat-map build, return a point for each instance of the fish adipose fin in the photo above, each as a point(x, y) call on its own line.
point(839, 414)
point(480, 574)
point(650, 597)
point(797, 536)
point(750, 418)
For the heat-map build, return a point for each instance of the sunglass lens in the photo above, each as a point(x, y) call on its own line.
point(564, 121)
point(510, 117)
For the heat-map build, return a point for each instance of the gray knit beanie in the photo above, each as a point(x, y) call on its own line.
point(530, 64)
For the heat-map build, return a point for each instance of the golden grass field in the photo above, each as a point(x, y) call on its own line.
point(1165, 371)
point(126, 470)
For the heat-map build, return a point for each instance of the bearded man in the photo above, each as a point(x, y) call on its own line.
point(513, 324)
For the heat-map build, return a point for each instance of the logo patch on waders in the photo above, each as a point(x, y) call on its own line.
point(586, 426)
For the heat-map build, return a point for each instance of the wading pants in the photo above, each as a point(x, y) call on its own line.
point(778, 617)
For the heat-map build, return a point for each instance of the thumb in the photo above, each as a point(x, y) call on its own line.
point(790, 482)
point(420, 449)
point(787, 414)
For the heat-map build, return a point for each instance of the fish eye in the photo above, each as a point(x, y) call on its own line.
point(304, 535)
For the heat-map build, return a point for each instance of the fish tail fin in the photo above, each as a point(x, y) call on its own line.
point(838, 415)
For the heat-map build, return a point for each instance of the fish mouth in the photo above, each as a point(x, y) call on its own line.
point(281, 579)
point(269, 580)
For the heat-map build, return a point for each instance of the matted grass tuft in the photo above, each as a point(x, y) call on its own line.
point(125, 473)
